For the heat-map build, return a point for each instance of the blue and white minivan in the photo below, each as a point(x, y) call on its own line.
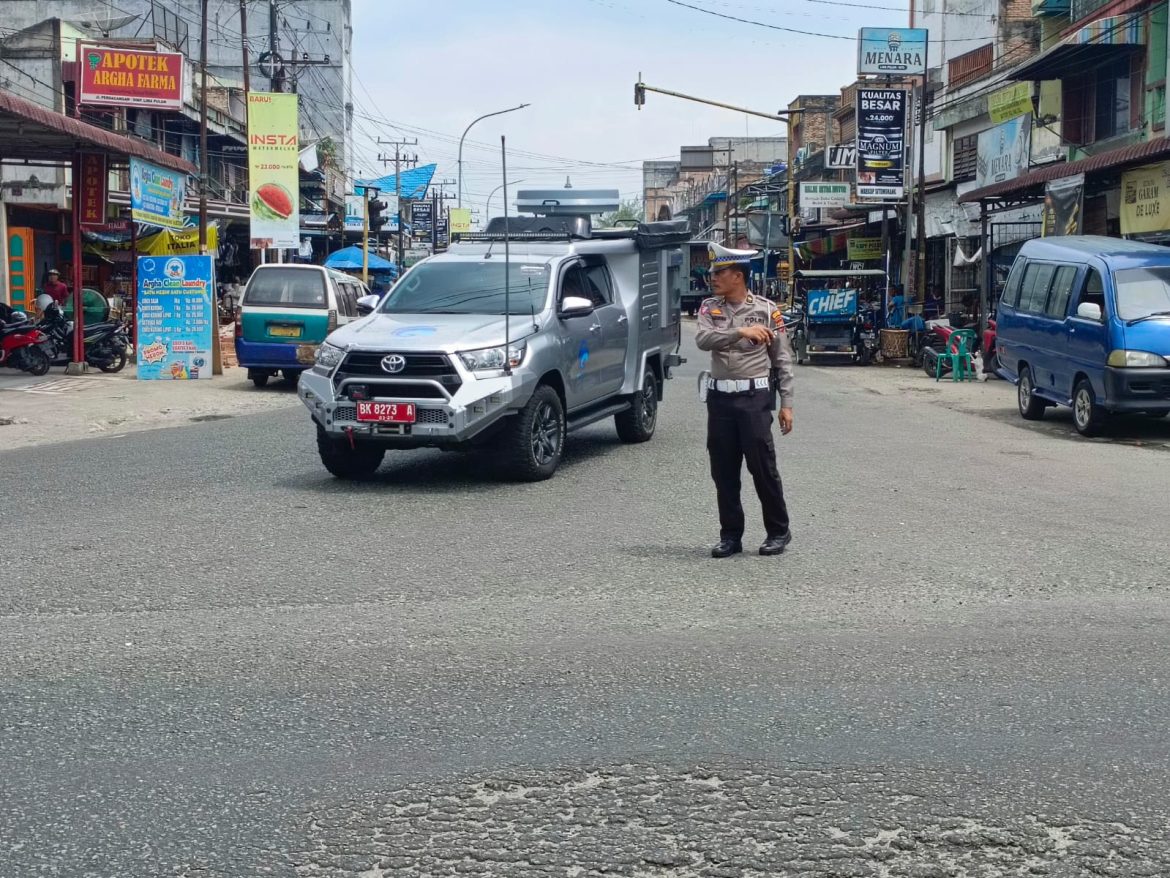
point(286, 312)
point(1084, 321)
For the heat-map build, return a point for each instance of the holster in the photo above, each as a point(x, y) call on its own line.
point(773, 387)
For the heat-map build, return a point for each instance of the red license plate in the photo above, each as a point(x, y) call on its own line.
point(386, 412)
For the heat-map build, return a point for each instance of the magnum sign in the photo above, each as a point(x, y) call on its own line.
point(881, 143)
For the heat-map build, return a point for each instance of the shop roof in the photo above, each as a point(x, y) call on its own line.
point(1123, 156)
point(30, 131)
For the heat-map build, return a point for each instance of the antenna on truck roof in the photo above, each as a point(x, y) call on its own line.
point(507, 263)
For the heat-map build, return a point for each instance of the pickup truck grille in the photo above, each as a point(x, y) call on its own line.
point(369, 364)
point(362, 366)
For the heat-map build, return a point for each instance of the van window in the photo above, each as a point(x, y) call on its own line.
point(1062, 286)
point(1034, 292)
point(1143, 291)
point(1093, 290)
point(1011, 290)
point(286, 288)
point(346, 303)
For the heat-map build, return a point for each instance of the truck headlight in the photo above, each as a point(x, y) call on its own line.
point(492, 359)
point(1136, 360)
point(329, 356)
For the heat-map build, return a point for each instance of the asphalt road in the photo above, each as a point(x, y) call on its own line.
point(217, 661)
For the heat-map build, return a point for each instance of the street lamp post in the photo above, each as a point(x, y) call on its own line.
point(488, 207)
point(459, 192)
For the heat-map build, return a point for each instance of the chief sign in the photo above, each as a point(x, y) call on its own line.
point(891, 51)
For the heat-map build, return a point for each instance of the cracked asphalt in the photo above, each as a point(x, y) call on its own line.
point(217, 661)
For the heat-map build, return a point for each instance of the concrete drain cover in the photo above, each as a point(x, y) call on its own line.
point(721, 823)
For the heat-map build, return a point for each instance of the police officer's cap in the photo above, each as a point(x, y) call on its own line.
point(725, 257)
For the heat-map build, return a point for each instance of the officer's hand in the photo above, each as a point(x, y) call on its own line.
point(756, 334)
point(785, 421)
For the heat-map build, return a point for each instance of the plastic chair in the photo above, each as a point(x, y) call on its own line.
point(959, 355)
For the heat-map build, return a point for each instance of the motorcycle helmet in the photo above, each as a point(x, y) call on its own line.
point(17, 317)
point(44, 300)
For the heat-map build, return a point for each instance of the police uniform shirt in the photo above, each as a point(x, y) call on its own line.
point(738, 358)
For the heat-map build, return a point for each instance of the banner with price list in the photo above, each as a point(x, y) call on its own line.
point(176, 317)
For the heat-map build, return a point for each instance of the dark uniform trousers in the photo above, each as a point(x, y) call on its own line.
point(739, 427)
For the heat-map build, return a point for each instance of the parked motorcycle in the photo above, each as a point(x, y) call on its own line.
point(105, 343)
point(20, 345)
point(797, 329)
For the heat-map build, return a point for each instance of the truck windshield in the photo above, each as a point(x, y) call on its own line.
point(1142, 291)
point(458, 287)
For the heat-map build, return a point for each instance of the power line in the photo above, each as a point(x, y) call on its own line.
point(798, 31)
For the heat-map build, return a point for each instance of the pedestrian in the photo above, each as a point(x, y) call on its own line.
point(55, 289)
point(751, 363)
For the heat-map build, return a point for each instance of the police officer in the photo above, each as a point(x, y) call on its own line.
point(751, 361)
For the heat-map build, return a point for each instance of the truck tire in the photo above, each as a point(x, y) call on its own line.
point(637, 423)
point(346, 462)
point(534, 440)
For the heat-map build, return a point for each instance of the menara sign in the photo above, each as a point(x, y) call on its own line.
point(129, 77)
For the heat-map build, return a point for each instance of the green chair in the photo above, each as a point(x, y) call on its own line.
point(959, 355)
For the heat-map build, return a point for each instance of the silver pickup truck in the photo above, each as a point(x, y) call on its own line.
point(593, 331)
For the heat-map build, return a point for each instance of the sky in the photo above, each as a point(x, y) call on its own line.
point(424, 71)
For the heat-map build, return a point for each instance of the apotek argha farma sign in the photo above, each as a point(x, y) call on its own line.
point(129, 77)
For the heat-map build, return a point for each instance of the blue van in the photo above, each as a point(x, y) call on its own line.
point(1084, 321)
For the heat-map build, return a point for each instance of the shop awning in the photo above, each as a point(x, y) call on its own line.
point(1086, 47)
point(30, 131)
point(415, 183)
point(320, 221)
point(1125, 156)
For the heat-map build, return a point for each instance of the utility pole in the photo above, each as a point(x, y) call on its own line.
point(366, 235)
point(203, 170)
point(733, 189)
point(921, 202)
point(273, 47)
point(244, 44)
point(399, 159)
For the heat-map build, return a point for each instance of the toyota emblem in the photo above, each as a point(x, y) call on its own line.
point(394, 363)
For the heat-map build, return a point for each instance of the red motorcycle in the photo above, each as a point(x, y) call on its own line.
point(20, 346)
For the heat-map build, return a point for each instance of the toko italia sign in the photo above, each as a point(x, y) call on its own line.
point(891, 51)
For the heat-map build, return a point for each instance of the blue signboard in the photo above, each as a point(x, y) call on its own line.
point(176, 317)
point(891, 51)
point(831, 305)
point(156, 195)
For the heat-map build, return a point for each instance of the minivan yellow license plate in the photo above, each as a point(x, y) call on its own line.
point(285, 331)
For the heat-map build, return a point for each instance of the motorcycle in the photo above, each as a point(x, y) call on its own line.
point(20, 345)
point(105, 343)
point(797, 329)
point(865, 339)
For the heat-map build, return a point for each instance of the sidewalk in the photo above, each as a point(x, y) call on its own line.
point(910, 382)
point(60, 408)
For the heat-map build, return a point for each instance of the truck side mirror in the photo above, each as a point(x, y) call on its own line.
point(367, 304)
point(1089, 311)
point(575, 306)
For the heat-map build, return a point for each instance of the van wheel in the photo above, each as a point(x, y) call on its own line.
point(260, 379)
point(637, 423)
point(534, 441)
point(346, 462)
point(1088, 417)
point(1031, 406)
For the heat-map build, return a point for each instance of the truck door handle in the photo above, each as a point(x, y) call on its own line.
point(622, 318)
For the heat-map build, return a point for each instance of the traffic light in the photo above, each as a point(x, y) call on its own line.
point(376, 218)
point(639, 95)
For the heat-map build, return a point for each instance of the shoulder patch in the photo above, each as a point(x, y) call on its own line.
point(777, 317)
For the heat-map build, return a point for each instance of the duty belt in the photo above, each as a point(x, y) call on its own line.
point(728, 385)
